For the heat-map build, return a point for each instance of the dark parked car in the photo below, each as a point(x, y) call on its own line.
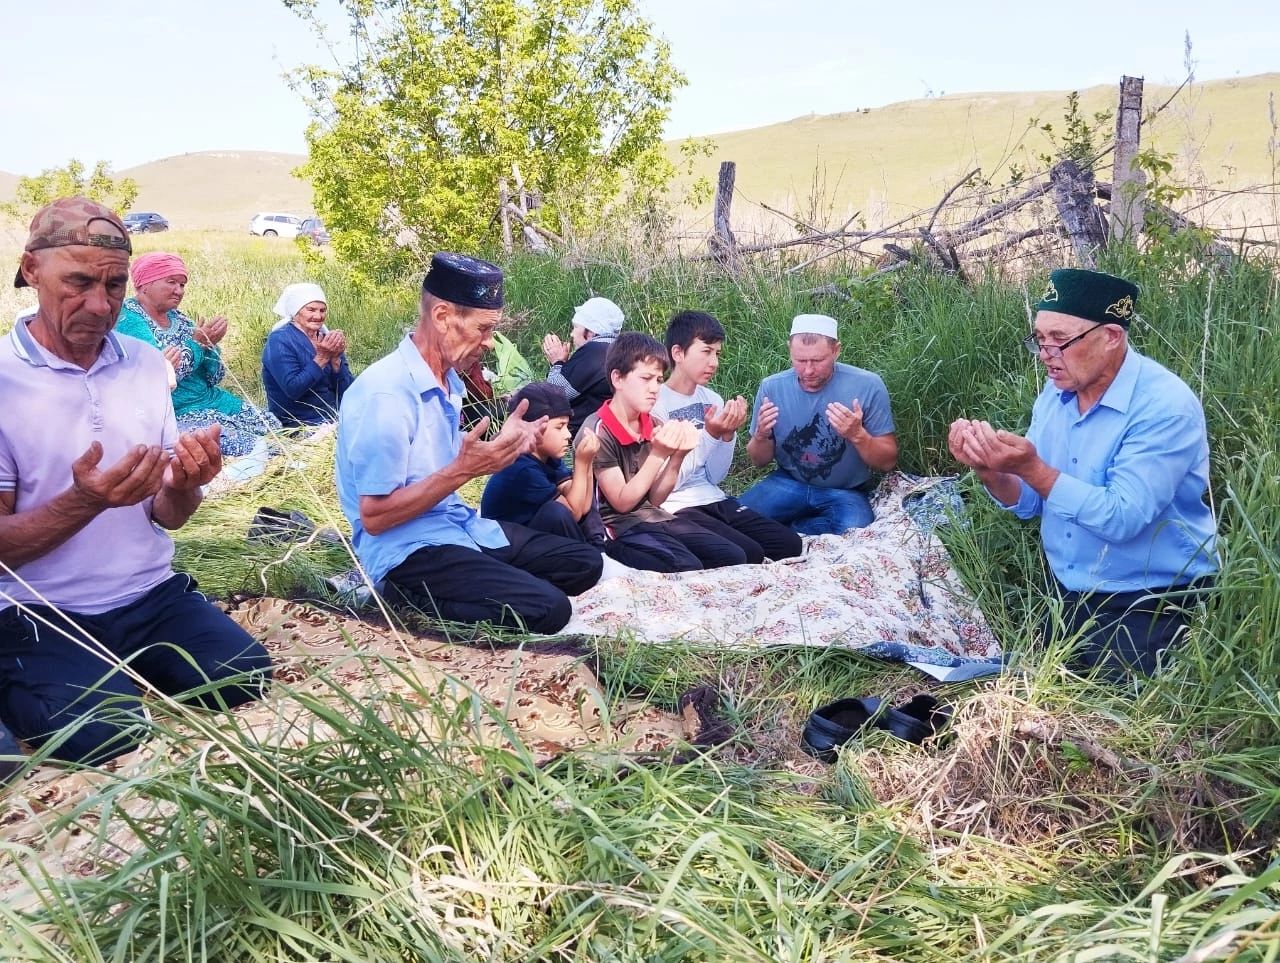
point(144, 222)
point(313, 228)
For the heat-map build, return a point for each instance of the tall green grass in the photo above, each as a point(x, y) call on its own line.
point(381, 843)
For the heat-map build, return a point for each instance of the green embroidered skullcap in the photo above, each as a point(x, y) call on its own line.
point(1092, 295)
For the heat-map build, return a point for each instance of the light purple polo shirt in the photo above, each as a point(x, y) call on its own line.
point(51, 411)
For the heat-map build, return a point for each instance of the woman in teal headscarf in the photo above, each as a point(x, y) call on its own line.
point(152, 315)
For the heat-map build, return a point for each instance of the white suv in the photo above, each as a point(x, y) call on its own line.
point(270, 224)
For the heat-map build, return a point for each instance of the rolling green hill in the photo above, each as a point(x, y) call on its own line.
point(220, 190)
point(888, 161)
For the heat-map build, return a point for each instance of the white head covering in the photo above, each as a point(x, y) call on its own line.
point(814, 324)
point(600, 316)
point(294, 297)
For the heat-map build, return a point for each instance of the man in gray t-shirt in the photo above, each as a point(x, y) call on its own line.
point(828, 426)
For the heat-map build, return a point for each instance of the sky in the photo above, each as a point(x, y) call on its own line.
point(131, 82)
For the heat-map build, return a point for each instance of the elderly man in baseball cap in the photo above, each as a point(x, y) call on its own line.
point(91, 470)
point(827, 426)
point(1115, 465)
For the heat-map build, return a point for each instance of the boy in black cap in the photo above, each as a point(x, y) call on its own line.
point(536, 489)
point(401, 459)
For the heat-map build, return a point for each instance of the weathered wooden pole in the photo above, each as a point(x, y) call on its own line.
point(723, 245)
point(1073, 193)
point(1128, 182)
point(504, 199)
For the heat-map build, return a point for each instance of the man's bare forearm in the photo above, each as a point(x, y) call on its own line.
point(379, 513)
point(172, 509)
point(29, 535)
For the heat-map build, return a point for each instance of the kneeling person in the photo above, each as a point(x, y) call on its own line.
point(108, 480)
point(401, 459)
point(537, 490)
point(694, 340)
point(639, 463)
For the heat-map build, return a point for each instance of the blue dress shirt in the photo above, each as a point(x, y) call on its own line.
point(396, 426)
point(1128, 511)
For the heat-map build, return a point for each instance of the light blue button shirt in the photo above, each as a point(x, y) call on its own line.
point(1128, 512)
point(397, 425)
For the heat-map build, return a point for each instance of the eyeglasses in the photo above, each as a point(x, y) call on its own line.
point(1055, 350)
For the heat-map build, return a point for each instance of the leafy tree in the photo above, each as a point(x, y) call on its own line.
point(33, 193)
point(433, 101)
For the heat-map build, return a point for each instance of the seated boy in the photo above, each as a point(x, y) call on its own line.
point(536, 489)
point(639, 462)
point(694, 340)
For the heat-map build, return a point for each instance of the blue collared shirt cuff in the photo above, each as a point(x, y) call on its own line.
point(1068, 496)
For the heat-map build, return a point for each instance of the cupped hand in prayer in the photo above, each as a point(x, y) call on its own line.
point(674, 437)
point(478, 456)
point(135, 477)
point(210, 331)
point(196, 459)
point(555, 350)
point(766, 418)
point(587, 445)
point(723, 423)
point(847, 421)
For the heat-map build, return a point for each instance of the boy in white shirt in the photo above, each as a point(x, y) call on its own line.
point(694, 340)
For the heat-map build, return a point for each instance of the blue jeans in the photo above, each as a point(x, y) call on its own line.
point(807, 509)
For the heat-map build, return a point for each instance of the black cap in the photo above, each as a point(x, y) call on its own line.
point(461, 279)
point(545, 400)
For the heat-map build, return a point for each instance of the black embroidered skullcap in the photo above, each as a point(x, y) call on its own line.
point(461, 279)
point(1092, 295)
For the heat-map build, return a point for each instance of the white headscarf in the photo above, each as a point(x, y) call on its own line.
point(600, 316)
point(294, 298)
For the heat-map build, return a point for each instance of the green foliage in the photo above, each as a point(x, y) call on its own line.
point(445, 97)
point(33, 193)
point(1079, 136)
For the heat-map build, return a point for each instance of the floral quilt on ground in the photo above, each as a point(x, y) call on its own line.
point(888, 589)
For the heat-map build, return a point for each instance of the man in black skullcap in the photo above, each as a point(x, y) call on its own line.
point(401, 459)
point(1116, 465)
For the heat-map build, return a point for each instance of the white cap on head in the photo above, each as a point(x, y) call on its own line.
point(814, 324)
point(599, 316)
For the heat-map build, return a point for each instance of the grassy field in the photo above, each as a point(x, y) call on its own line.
point(1065, 821)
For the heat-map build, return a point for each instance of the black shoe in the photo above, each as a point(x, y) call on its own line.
point(918, 720)
point(831, 726)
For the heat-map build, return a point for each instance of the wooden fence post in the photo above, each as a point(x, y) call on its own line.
point(504, 198)
point(723, 245)
point(1073, 193)
point(1128, 182)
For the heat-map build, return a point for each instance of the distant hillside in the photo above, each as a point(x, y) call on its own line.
point(220, 190)
point(888, 161)
point(8, 184)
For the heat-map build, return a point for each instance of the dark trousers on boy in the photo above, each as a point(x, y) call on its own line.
point(757, 536)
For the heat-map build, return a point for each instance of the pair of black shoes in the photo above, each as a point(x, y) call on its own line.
point(831, 726)
point(275, 525)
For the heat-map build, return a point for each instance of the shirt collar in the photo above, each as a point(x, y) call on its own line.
point(424, 379)
point(1119, 393)
point(26, 347)
point(618, 429)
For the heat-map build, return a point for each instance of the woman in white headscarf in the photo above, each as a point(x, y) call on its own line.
point(304, 364)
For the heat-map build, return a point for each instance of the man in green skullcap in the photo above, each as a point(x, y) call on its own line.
point(1115, 465)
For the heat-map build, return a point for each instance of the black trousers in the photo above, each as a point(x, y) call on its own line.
point(55, 686)
point(1125, 633)
point(677, 545)
point(757, 536)
point(524, 585)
